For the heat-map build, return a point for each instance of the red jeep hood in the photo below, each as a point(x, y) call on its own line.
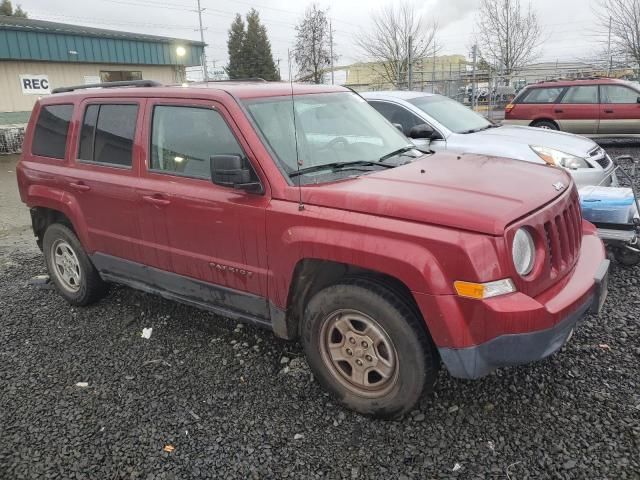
point(470, 192)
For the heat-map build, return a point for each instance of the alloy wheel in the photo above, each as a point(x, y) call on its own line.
point(359, 353)
point(66, 265)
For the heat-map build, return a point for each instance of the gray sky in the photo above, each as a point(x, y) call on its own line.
point(566, 23)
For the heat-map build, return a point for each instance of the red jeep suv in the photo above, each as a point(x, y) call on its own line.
point(596, 107)
point(302, 210)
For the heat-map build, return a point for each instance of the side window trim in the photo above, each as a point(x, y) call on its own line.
point(203, 106)
point(100, 103)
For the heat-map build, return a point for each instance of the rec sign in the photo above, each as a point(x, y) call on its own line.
point(35, 84)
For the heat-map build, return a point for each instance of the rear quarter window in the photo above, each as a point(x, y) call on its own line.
point(540, 95)
point(107, 134)
point(51, 131)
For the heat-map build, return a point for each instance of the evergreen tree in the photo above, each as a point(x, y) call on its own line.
point(18, 12)
point(256, 50)
point(6, 8)
point(236, 66)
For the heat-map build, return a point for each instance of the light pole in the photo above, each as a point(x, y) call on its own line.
point(180, 52)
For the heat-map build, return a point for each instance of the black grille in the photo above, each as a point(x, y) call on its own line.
point(604, 162)
point(563, 236)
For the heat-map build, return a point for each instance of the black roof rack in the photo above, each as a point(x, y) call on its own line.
point(249, 79)
point(126, 83)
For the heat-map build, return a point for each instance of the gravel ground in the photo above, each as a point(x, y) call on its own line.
point(234, 402)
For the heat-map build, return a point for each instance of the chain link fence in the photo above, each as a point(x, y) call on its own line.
point(486, 90)
point(11, 138)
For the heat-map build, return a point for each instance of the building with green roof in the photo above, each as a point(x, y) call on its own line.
point(38, 56)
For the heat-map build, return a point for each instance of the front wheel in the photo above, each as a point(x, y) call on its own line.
point(367, 347)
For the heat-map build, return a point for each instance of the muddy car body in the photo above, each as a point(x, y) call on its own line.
point(383, 260)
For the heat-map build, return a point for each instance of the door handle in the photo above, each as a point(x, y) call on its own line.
point(156, 200)
point(81, 187)
point(557, 110)
point(608, 111)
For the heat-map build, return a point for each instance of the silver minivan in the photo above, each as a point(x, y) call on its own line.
point(444, 124)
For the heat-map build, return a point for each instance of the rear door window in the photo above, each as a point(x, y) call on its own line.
point(107, 134)
point(583, 95)
point(541, 95)
point(51, 131)
point(618, 94)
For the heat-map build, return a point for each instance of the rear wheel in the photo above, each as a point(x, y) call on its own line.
point(545, 125)
point(367, 347)
point(70, 269)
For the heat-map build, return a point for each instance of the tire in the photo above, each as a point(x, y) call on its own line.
point(398, 360)
point(545, 125)
point(70, 269)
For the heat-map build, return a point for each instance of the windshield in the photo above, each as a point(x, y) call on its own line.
point(451, 114)
point(332, 128)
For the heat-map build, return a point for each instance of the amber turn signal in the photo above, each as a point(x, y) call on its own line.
point(481, 291)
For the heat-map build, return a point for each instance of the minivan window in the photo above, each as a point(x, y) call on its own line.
point(107, 134)
point(584, 94)
point(540, 95)
point(183, 139)
point(618, 94)
point(52, 128)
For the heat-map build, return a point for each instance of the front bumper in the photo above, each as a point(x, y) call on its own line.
point(509, 350)
point(520, 348)
point(476, 337)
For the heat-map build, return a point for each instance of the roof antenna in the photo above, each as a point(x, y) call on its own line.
point(295, 134)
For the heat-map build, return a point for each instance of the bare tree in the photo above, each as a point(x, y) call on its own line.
point(312, 52)
point(508, 35)
point(397, 37)
point(623, 16)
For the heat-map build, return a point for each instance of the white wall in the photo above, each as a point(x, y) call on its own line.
point(60, 75)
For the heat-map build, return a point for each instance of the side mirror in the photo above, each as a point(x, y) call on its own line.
point(230, 171)
point(422, 131)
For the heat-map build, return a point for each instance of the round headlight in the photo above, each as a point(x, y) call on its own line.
point(523, 252)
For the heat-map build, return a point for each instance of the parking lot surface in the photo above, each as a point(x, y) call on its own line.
point(84, 395)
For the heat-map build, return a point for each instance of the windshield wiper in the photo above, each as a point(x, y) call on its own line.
point(475, 130)
point(334, 166)
point(397, 152)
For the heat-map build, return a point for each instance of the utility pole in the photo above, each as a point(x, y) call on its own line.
point(331, 51)
point(433, 72)
point(609, 59)
point(205, 74)
point(410, 79)
point(474, 56)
